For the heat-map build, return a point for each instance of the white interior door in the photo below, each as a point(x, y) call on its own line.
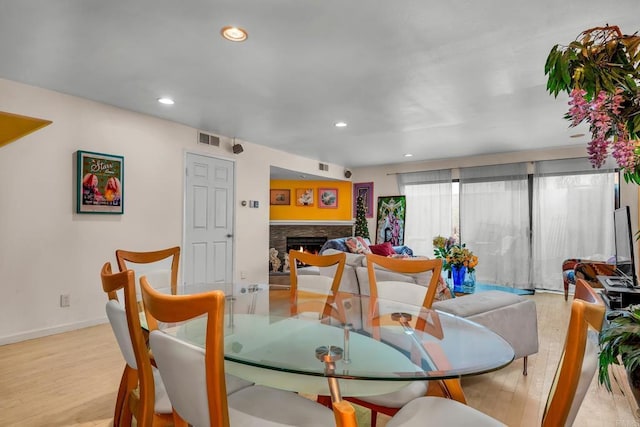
point(208, 246)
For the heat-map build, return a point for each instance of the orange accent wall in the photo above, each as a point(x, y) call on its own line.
point(292, 212)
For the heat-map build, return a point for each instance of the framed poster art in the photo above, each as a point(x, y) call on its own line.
point(364, 189)
point(391, 220)
point(328, 198)
point(304, 196)
point(280, 197)
point(100, 184)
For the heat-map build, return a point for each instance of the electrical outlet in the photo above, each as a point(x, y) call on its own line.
point(65, 300)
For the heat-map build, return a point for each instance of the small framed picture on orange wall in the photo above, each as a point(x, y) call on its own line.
point(280, 197)
point(304, 196)
point(328, 197)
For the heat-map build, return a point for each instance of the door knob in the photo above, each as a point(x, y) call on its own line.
point(229, 235)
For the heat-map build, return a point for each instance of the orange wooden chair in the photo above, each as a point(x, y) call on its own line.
point(195, 376)
point(141, 393)
point(410, 293)
point(158, 266)
point(307, 291)
point(404, 291)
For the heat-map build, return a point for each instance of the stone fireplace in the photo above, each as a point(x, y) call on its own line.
point(284, 235)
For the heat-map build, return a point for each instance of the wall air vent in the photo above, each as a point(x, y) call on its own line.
point(323, 167)
point(205, 138)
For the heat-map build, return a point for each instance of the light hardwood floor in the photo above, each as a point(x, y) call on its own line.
point(71, 379)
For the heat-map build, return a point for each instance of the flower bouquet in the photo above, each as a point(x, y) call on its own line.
point(457, 258)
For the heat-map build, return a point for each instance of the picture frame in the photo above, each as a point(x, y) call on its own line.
point(100, 183)
point(364, 189)
point(280, 197)
point(304, 197)
point(328, 198)
point(390, 222)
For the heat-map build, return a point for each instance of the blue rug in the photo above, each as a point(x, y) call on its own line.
point(480, 287)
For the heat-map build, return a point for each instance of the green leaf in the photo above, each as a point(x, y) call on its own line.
point(551, 60)
point(576, 45)
point(564, 69)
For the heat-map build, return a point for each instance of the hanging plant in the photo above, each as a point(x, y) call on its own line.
point(600, 71)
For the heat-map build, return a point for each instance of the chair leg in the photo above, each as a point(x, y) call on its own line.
point(453, 388)
point(524, 370)
point(121, 397)
point(374, 418)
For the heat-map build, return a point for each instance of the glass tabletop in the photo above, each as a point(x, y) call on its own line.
point(370, 339)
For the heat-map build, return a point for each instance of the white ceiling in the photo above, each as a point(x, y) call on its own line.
point(436, 79)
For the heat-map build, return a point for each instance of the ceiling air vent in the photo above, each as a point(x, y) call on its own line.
point(205, 138)
point(323, 166)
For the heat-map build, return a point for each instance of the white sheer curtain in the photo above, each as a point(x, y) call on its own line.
point(572, 217)
point(494, 222)
point(428, 208)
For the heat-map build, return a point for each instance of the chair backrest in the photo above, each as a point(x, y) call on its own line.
point(161, 267)
point(579, 360)
point(403, 291)
point(316, 283)
point(307, 290)
point(125, 322)
point(193, 377)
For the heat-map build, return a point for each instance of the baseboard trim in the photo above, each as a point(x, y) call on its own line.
point(39, 333)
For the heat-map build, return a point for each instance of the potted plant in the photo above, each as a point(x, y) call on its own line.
point(600, 71)
point(620, 340)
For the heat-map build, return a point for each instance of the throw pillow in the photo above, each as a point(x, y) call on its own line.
point(354, 246)
point(364, 243)
point(384, 249)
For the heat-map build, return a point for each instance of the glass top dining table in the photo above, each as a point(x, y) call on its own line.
point(373, 346)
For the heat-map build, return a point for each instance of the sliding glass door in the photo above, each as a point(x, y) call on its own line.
point(494, 222)
point(572, 217)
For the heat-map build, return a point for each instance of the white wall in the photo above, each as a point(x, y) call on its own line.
point(46, 249)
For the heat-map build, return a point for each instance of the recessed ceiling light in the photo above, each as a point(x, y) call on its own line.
point(340, 125)
point(408, 155)
point(234, 34)
point(166, 101)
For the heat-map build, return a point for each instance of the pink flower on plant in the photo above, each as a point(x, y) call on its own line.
point(597, 150)
point(579, 106)
point(623, 152)
point(616, 102)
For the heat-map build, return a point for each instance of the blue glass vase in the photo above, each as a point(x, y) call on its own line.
point(469, 284)
point(458, 273)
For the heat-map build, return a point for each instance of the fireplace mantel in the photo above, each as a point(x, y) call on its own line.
point(310, 222)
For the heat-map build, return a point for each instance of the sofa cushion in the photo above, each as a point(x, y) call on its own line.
point(481, 302)
point(403, 250)
point(384, 249)
point(337, 244)
point(356, 246)
point(354, 260)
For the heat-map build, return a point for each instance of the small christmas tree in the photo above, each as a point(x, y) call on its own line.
point(362, 229)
